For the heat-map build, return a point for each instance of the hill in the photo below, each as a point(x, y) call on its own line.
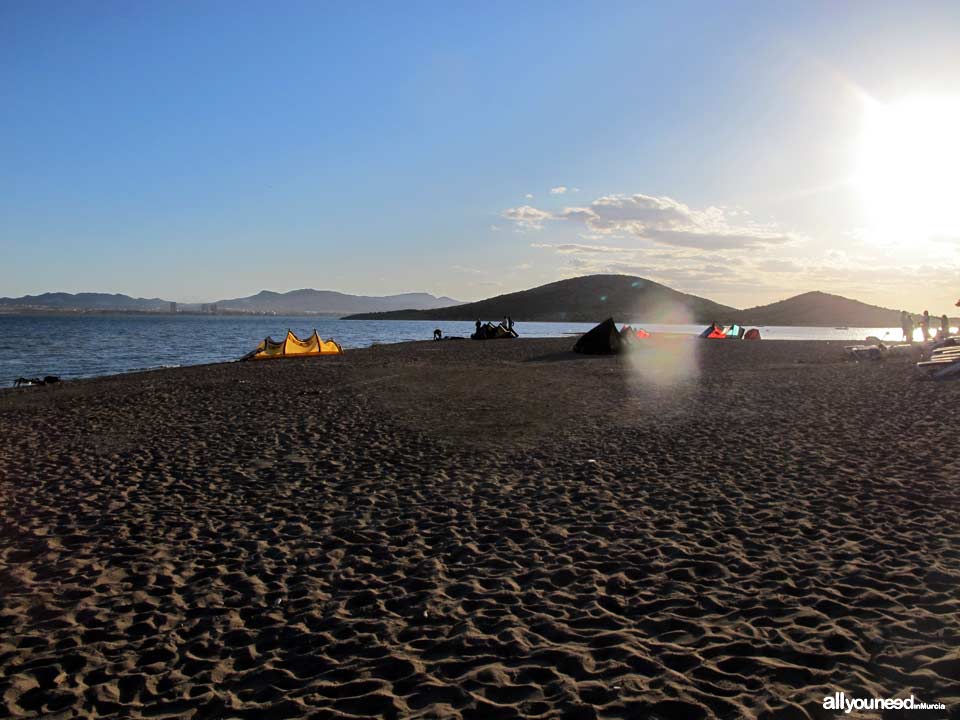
point(329, 302)
point(819, 309)
point(584, 299)
point(101, 302)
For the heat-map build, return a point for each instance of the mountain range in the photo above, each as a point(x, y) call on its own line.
point(329, 302)
point(584, 299)
point(295, 302)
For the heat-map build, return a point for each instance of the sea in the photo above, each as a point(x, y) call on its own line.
point(89, 345)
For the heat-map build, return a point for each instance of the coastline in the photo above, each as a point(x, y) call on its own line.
point(496, 529)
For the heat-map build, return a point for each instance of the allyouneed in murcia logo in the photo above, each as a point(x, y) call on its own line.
point(840, 701)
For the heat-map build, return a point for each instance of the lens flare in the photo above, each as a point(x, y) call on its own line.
point(909, 169)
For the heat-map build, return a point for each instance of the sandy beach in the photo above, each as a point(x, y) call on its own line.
point(483, 530)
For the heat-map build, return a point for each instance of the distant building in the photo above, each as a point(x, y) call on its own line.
point(173, 307)
point(213, 308)
point(204, 308)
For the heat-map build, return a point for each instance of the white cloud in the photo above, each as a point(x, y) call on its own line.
point(778, 266)
point(578, 249)
point(527, 217)
point(529, 196)
point(661, 220)
point(558, 190)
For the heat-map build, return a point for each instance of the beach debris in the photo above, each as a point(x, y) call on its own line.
point(293, 347)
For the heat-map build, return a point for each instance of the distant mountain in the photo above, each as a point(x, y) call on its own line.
point(328, 302)
point(296, 302)
point(820, 309)
point(584, 299)
point(102, 302)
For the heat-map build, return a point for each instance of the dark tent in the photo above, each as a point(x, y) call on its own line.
point(604, 339)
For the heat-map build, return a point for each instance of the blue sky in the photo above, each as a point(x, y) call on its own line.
point(197, 151)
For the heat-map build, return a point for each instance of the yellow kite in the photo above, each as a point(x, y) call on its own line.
point(292, 347)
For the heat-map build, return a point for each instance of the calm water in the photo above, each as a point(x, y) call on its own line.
point(74, 346)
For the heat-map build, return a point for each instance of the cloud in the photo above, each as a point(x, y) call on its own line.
point(779, 266)
point(527, 217)
point(558, 190)
point(661, 220)
point(466, 269)
point(578, 249)
point(529, 196)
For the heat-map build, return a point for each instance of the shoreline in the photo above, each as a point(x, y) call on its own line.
point(348, 350)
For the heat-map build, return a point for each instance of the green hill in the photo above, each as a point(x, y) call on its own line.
point(819, 309)
point(584, 299)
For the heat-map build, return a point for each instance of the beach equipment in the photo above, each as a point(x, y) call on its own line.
point(859, 353)
point(46, 380)
point(292, 346)
point(944, 363)
point(494, 332)
point(604, 339)
point(631, 333)
point(752, 334)
point(718, 332)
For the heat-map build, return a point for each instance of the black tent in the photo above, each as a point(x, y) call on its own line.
point(604, 339)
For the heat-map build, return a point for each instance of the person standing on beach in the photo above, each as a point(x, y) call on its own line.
point(906, 324)
point(925, 325)
point(944, 326)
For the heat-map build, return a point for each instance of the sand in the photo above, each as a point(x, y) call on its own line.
point(483, 530)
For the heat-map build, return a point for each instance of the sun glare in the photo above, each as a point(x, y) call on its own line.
point(909, 172)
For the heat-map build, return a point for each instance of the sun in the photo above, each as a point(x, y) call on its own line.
point(909, 170)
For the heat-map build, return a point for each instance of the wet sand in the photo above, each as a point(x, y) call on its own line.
point(483, 530)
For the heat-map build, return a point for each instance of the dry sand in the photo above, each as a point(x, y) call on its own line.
point(482, 530)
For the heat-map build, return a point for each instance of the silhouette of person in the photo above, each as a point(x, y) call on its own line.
point(925, 325)
point(907, 321)
point(437, 334)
